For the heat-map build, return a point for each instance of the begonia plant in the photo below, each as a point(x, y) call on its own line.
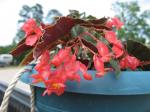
point(67, 49)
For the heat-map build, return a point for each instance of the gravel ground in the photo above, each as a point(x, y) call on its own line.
point(7, 74)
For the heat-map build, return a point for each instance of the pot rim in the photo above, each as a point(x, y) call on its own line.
point(129, 83)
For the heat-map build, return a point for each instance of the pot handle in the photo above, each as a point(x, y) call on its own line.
point(9, 90)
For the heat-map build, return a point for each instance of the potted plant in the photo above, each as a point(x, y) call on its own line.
point(81, 65)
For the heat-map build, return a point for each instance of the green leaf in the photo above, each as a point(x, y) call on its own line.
point(76, 14)
point(104, 40)
point(90, 17)
point(115, 65)
point(89, 39)
point(77, 30)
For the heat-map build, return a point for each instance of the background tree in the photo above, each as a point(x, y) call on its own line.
point(136, 24)
point(6, 49)
point(50, 18)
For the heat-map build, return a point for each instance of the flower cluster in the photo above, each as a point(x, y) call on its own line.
point(67, 64)
point(66, 68)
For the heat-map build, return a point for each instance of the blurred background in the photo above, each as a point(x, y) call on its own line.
point(134, 14)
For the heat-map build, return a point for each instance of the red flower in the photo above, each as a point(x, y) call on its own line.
point(133, 62)
point(43, 68)
point(37, 78)
point(41, 76)
point(74, 77)
point(70, 63)
point(114, 21)
point(103, 51)
point(29, 26)
point(99, 66)
point(83, 69)
point(33, 32)
point(111, 36)
point(123, 63)
point(109, 23)
point(117, 51)
point(118, 43)
point(71, 68)
point(60, 56)
point(129, 62)
point(59, 74)
point(54, 86)
point(44, 73)
point(43, 61)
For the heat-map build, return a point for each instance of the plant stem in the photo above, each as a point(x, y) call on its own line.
point(86, 46)
point(144, 63)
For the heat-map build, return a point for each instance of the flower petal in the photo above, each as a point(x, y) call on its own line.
point(111, 36)
point(31, 40)
point(118, 51)
point(116, 22)
point(99, 66)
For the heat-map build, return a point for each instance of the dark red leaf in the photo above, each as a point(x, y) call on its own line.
point(22, 41)
point(28, 58)
point(102, 27)
point(20, 49)
point(55, 32)
point(89, 45)
point(99, 21)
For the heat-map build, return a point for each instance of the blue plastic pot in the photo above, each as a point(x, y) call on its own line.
point(129, 93)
